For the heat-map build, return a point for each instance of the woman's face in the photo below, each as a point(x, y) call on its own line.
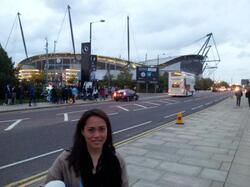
point(95, 133)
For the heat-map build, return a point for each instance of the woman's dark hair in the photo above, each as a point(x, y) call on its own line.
point(80, 158)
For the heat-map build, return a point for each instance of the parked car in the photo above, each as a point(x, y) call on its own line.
point(125, 95)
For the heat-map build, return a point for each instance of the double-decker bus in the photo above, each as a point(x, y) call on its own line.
point(181, 83)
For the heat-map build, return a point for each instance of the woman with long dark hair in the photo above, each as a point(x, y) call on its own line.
point(92, 161)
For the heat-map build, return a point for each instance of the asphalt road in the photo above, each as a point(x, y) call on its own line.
point(31, 140)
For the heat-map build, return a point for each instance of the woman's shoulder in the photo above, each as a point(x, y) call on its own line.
point(120, 158)
point(64, 155)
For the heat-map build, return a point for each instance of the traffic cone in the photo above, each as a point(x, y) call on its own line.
point(179, 120)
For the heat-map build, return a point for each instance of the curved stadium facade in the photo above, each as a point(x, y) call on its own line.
point(61, 66)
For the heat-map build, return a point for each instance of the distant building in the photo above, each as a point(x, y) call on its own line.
point(245, 82)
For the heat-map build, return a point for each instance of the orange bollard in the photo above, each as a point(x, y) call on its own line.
point(179, 120)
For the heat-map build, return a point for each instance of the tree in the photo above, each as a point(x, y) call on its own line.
point(7, 71)
point(37, 79)
point(163, 82)
point(72, 79)
point(124, 78)
point(204, 84)
point(224, 84)
point(108, 80)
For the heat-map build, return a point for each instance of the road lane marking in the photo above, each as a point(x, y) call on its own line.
point(14, 124)
point(209, 103)
point(168, 116)
point(144, 108)
point(152, 103)
point(145, 123)
point(171, 100)
point(66, 117)
point(194, 108)
point(160, 101)
point(110, 114)
point(114, 113)
point(140, 105)
point(29, 159)
point(122, 108)
point(78, 111)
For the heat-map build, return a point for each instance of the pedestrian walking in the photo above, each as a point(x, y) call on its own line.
point(95, 94)
point(92, 160)
point(238, 95)
point(248, 96)
point(32, 95)
point(14, 94)
point(8, 94)
point(20, 94)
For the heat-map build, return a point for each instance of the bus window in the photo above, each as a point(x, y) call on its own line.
point(176, 85)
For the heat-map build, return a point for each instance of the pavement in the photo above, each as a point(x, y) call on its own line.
point(211, 149)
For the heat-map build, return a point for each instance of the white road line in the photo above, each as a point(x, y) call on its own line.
point(78, 111)
point(173, 114)
point(170, 104)
point(194, 108)
point(14, 124)
point(114, 113)
point(140, 105)
point(209, 103)
point(110, 114)
point(145, 123)
point(66, 117)
point(171, 101)
point(144, 108)
point(29, 159)
point(162, 101)
point(152, 103)
point(122, 108)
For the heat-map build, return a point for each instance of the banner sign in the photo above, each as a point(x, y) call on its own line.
point(147, 74)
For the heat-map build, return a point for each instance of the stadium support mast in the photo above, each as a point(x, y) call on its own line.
point(72, 35)
point(21, 28)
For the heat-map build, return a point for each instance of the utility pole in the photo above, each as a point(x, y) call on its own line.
point(47, 62)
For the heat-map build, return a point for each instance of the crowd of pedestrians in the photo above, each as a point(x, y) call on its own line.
point(12, 94)
point(239, 94)
point(55, 94)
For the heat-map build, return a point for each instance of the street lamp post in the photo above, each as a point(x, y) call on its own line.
point(158, 62)
point(158, 58)
point(90, 31)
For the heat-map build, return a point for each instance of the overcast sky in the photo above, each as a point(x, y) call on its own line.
point(157, 27)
